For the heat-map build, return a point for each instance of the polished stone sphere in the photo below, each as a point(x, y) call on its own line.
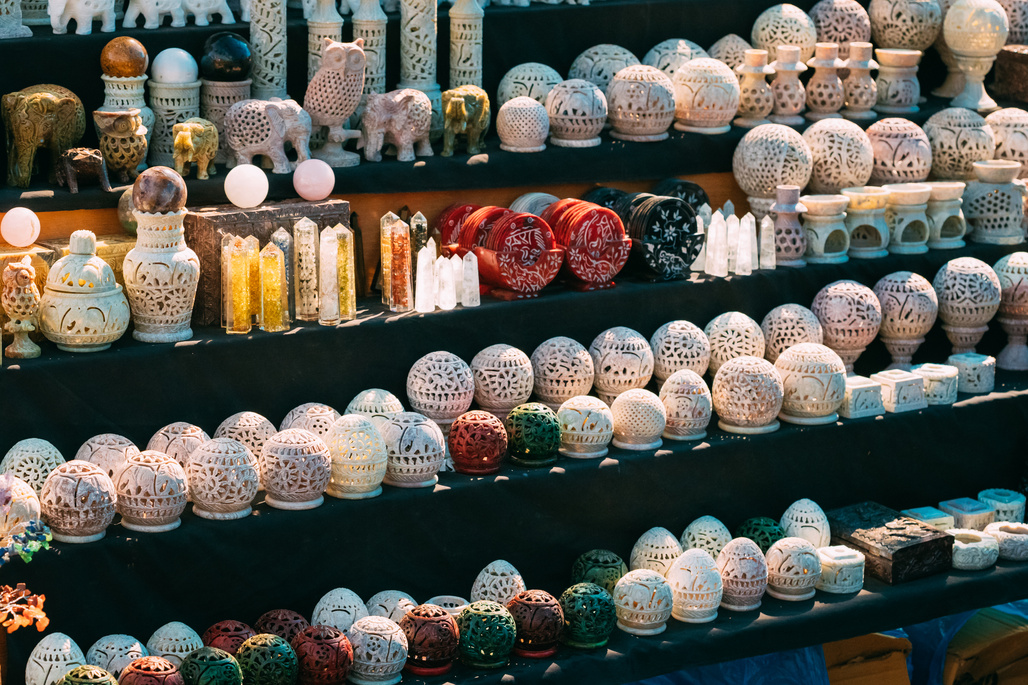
point(158, 190)
point(226, 57)
point(124, 57)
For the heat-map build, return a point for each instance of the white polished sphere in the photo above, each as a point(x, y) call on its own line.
point(174, 65)
point(246, 186)
point(19, 227)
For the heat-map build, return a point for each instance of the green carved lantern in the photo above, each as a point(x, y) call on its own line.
point(533, 434)
point(600, 566)
point(211, 666)
point(88, 675)
point(487, 634)
point(589, 616)
point(267, 659)
point(762, 530)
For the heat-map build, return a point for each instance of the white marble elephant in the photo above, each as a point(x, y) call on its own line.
point(83, 12)
point(153, 12)
point(263, 127)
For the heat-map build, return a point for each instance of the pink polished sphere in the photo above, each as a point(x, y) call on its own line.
point(314, 180)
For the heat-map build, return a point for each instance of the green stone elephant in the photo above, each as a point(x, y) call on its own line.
point(465, 112)
point(43, 116)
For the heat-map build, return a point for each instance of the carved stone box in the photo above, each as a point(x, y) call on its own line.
point(205, 227)
point(897, 548)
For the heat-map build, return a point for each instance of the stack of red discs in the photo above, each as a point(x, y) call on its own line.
point(450, 220)
point(594, 237)
point(525, 234)
point(476, 227)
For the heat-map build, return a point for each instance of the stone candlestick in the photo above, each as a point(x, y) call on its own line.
point(466, 43)
point(861, 88)
point(790, 95)
point(369, 23)
point(790, 239)
point(268, 40)
point(324, 22)
point(418, 53)
point(756, 99)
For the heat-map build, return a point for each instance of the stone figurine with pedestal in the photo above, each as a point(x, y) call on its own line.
point(21, 304)
point(83, 13)
point(402, 118)
point(333, 96)
point(124, 62)
point(44, 116)
point(969, 293)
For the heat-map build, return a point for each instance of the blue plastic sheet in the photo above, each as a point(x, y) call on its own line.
point(930, 640)
point(899, 632)
point(806, 666)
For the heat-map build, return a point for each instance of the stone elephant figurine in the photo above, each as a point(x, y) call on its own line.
point(153, 12)
point(43, 116)
point(262, 127)
point(196, 140)
point(83, 12)
point(402, 118)
point(465, 112)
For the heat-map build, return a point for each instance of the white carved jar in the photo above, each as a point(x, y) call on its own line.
point(639, 420)
point(743, 572)
point(578, 110)
point(687, 405)
point(729, 49)
point(1012, 271)
point(940, 382)
point(975, 31)
point(973, 550)
point(108, 451)
point(599, 63)
point(1012, 538)
point(825, 92)
point(993, 204)
point(747, 396)
point(789, 92)
point(679, 345)
point(339, 608)
point(946, 222)
point(23, 508)
point(898, 89)
point(959, 138)
point(976, 373)
point(78, 502)
point(1010, 130)
point(865, 221)
point(441, 386)
point(376, 404)
point(828, 240)
point(860, 87)
point(391, 604)
point(814, 379)
point(784, 24)
point(643, 601)
point(499, 582)
point(640, 104)
point(358, 457)
point(706, 533)
point(223, 479)
point(696, 587)
point(706, 96)
point(523, 125)
point(907, 24)
point(51, 658)
point(842, 22)
point(531, 79)
point(793, 569)
point(310, 416)
point(842, 155)
point(82, 309)
point(850, 316)
point(32, 460)
point(969, 295)
point(788, 325)
point(731, 335)
point(416, 450)
point(114, 652)
point(1008, 504)
point(842, 570)
point(909, 309)
point(902, 151)
point(451, 604)
point(562, 369)
point(805, 519)
point(655, 550)
point(503, 378)
point(668, 55)
point(586, 427)
point(295, 469)
point(622, 360)
point(769, 156)
point(161, 275)
point(756, 99)
point(151, 489)
point(379, 651)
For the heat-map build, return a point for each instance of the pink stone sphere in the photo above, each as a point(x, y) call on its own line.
point(314, 180)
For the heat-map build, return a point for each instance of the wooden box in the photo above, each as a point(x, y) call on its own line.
point(874, 659)
point(897, 548)
point(990, 643)
point(205, 227)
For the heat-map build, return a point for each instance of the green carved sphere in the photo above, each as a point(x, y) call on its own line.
point(762, 530)
point(88, 675)
point(533, 434)
point(211, 666)
point(600, 566)
point(589, 615)
point(267, 659)
point(487, 634)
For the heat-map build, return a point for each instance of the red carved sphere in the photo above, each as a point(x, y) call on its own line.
point(325, 655)
point(432, 638)
point(478, 443)
point(151, 670)
point(227, 635)
point(285, 623)
point(539, 619)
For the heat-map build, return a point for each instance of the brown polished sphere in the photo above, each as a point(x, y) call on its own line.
point(159, 190)
point(123, 57)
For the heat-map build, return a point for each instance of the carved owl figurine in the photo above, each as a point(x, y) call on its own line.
point(20, 294)
point(122, 142)
point(335, 91)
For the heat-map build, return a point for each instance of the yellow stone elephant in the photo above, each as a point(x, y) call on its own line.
point(43, 116)
point(196, 141)
point(465, 112)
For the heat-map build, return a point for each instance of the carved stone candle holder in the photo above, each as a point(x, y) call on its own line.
point(624, 360)
point(539, 620)
point(843, 22)
point(977, 372)
point(903, 152)
point(487, 634)
point(860, 87)
point(696, 587)
point(687, 403)
point(1010, 128)
point(523, 125)
point(863, 398)
point(730, 49)
point(530, 79)
point(814, 382)
point(907, 218)
point(756, 99)
point(641, 104)
point(994, 204)
point(679, 345)
point(784, 24)
point(975, 31)
point(790, 238)
point(503, 378)
point(899, 91)
point(825, 92)
point(672, 53)
point(969, 294)
point(151, 489)
point(1012, 271)
point(1012, 539)
point(793, 569)
point(1009, 504)
point(865, 222)
point(747, 395)
point(788, 325)
point(946, 223)
point(940, 382)
point(416, 449)
point(743, 571)
point(639, 420)
point(825, 226)
point(431, 639)
point(589, 616)
point(655, 550)
point(842, 570)
point(788, 91)
point(973, 550)
point(477, 443)
point(706, 533)
point(587, 427)
point(441, 386)
point(223, 479)
point(295, 470)
point(562, 369)
point(78, 502)
point(358, 455)
point(706, 96)
point(959, 138)
point(643, 601)
point(909, 310)
point(767, 157)
point(842, 155)
point(850, 315)
point(901, 390)
point(578, 110)
point(599, 566)
point(731, 335)
point(909, 24)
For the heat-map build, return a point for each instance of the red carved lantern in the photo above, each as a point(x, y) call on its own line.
point(431, 639)
point(151, 670)
point(539, 619)
point(227, 635)
point(478, 443)
point(282, 622)
point(324, 655)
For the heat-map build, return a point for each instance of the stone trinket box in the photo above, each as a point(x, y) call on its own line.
point(901, 390)
point(1009, 505)
point(842, 570)
point(973, 550)
point(977, 372)
point(1012, 539)
point(940, 382)
point(863, 398)
point(969, 513)
point(932, 516)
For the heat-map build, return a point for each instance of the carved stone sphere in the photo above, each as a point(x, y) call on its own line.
point(158, 190)
point(226, 57)
point(124, 57)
